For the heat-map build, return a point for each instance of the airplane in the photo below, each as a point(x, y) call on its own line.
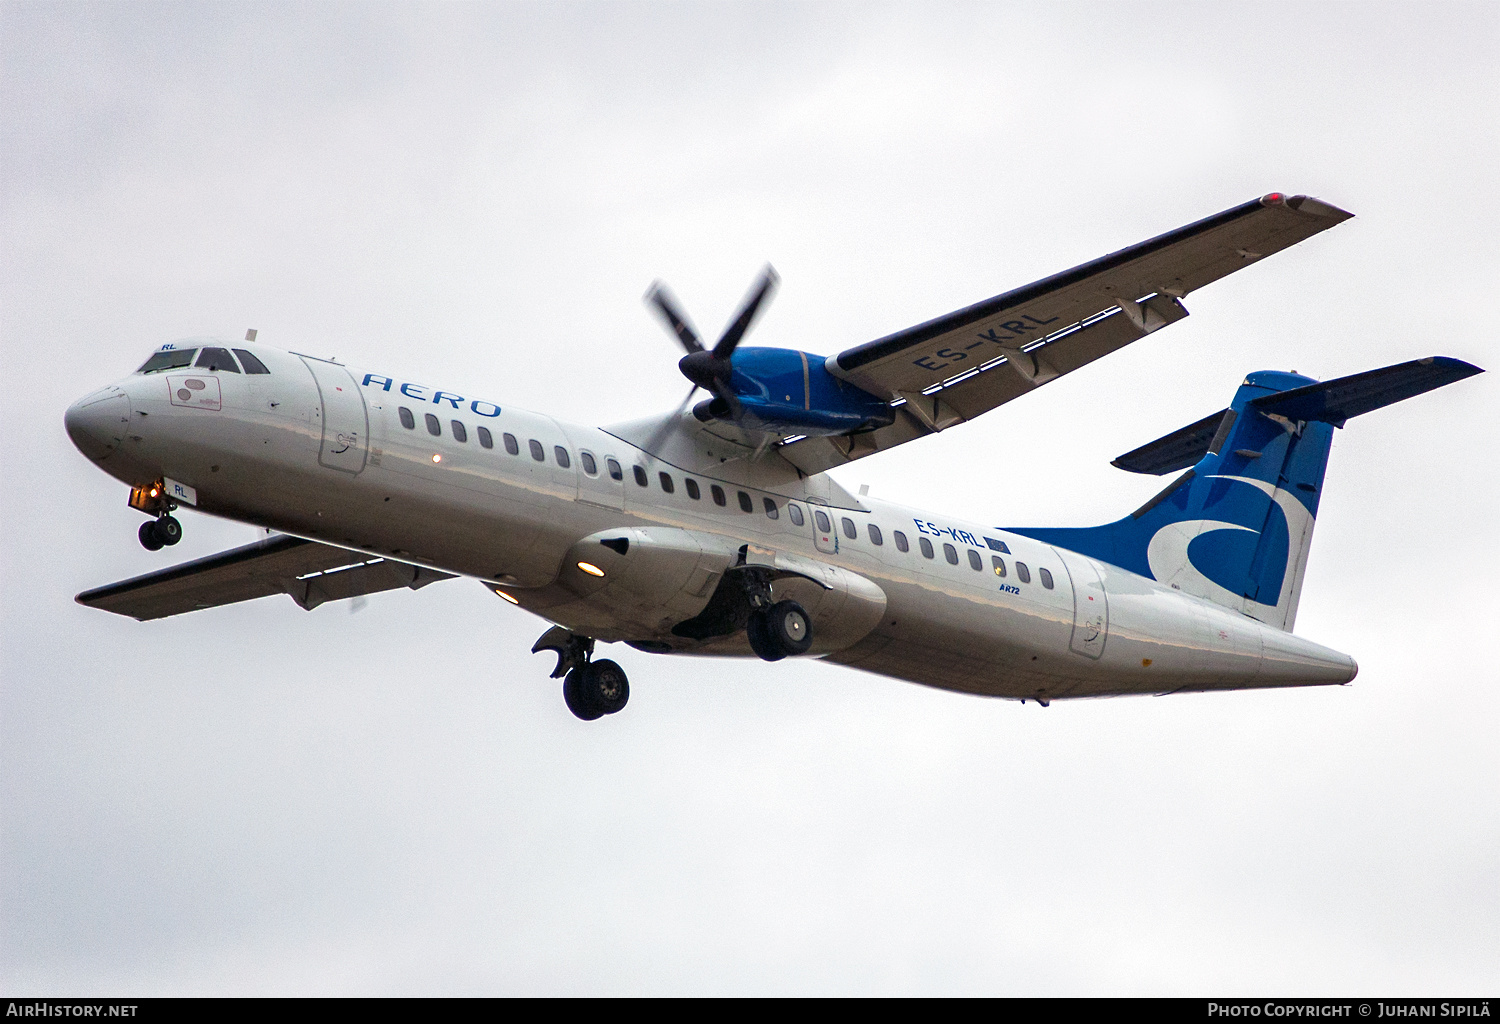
point(717, 530)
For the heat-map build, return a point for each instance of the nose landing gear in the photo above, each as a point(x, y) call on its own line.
point(156, 533)
point(591, 689)
point(163, 531)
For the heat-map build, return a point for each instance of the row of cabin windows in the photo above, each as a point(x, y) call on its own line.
point(208, 359)
point(976, 561)
point(747, 505)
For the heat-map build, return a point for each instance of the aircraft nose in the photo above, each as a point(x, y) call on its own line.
point(97, 422)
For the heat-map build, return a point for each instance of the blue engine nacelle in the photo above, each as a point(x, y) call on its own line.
point(784, 391)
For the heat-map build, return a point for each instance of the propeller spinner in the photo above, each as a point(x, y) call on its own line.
point(710, 369)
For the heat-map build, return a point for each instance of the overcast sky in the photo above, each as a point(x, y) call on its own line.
point(262, 800)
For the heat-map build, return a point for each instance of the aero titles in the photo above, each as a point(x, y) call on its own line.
point(417, 392)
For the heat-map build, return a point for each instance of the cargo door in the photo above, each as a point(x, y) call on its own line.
point(345, 422)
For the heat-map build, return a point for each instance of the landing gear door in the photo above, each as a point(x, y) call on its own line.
point(1090, 606)
point(346, 424)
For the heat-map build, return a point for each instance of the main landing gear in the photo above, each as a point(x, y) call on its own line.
point(591, 689)
point(778, 631)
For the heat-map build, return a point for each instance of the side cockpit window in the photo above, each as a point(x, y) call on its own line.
point(249, 362)
point(173, 359)
point(216, 359)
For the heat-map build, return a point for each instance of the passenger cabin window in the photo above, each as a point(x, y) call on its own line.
point(1046, 576)
point(216, 359)
point(926, 546)
point(615, 472)
point(692, 488)
point(718, 493)
point(407, 419)
point(434, 427)
point(640, 476)
point(746, 505)
point(795, 511)
point(875, 537)
point(999, 564)
point(771, 510)
point(460, 432)
point(589, 465)
point(901, 543)
point(176, 359)
point(849, 529)
point(974, 561)
point(950, 553)
point(666, 483)
point(561, 453)
point(824, 526)
point(511, 445)
point(537, 451)
point(249, 362)
point(486, 439)
point(1022, 573)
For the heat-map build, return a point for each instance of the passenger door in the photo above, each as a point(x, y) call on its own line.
point(1090, 606)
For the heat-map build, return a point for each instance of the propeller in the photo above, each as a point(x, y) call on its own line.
point(710, 369)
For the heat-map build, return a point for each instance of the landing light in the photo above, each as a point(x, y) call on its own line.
point(591, 569)
point(437, 458)
point(506, 596)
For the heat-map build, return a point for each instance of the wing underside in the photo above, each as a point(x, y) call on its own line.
point(307, 572)
point(959, 366)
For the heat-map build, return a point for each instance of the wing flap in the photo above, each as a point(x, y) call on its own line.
point(308, 572)
point(992, 384)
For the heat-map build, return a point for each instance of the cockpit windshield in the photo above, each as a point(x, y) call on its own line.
point(172, 359)
point(217, 359)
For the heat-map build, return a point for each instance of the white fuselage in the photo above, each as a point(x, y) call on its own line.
point(319, 451)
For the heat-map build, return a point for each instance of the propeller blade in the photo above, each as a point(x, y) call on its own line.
point(665, 304)
point(741, 323)
point(725, 394)
point(654, 442)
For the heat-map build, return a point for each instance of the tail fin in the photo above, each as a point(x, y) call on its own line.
point(1236, 527)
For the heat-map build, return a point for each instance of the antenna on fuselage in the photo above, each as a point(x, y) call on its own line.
point(250, 334)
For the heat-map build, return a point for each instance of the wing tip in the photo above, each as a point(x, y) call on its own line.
point(1306, 204)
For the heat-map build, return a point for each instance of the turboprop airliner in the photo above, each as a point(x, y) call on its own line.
point(717, 530)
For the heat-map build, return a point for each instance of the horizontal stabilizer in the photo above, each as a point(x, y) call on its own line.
point(308, 572)
point(1335, 401)
point(1178, 450)
point(1331, 401)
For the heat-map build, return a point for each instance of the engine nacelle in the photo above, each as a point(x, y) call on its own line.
point(664, 588)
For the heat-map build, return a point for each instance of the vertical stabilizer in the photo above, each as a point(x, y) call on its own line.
point(1236, 528)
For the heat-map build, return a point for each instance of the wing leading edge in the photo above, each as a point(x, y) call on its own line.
point(951, 369)
point(308, 572)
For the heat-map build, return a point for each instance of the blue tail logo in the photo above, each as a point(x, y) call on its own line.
point(1235, 529)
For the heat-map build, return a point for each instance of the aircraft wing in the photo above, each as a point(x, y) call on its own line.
point(951, 369)
point(308, 572)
